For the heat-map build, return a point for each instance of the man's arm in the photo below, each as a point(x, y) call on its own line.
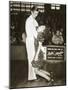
point(30, 29)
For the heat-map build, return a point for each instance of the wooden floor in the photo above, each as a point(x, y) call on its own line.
point(18, 76)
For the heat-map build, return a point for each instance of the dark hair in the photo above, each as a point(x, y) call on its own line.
point(34, 8)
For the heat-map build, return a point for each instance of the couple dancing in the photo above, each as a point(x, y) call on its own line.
point(32, 30)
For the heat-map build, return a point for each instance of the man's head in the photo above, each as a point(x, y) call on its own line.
point(57, 32)
point(34, 11)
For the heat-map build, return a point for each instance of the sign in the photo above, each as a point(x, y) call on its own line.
point(55, 53)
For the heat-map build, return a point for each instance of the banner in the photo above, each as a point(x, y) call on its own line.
point(55, 52)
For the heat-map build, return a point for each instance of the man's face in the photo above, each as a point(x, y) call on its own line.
point(58, 33)
point(35, 14)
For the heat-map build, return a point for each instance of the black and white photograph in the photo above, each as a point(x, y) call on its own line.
point(37, 38)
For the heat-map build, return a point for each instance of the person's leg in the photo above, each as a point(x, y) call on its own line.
point(42, 74)
point(31, 72)
point(30, 53)
point(45, 72)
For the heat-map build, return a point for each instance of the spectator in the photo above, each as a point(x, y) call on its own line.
point(57, 38)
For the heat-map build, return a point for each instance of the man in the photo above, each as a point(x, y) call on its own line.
point(31, 34)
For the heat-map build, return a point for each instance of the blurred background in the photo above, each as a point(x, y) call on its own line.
point(52, 15)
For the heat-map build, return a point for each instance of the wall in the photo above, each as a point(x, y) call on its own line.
point(18, 52)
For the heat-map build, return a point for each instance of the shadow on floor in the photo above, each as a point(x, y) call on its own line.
point(18, 76)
